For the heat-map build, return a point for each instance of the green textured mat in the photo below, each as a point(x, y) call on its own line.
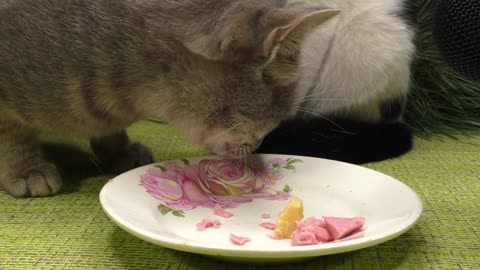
point(71, 231)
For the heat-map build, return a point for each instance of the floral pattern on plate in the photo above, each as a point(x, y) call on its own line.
point(210, 182)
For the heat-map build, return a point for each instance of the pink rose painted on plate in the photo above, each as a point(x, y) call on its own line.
point(213, 182)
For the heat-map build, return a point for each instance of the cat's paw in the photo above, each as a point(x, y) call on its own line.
point(136, 155)
point(40, 181)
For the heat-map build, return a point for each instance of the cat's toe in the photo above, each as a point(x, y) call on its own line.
point(136, 155)
point(41, 181)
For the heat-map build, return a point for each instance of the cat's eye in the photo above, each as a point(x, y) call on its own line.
point(289, 59)
point(260, 60)
point(292, 59)
point(225, 111)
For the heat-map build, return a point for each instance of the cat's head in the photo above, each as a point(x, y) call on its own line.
point(237, 100)
point(252, 29)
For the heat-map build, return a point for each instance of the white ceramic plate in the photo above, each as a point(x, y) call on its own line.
point(188, 190)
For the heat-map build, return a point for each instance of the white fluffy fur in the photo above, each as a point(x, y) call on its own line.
point(357, 59)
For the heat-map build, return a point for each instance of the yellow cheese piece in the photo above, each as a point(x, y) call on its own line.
point(288, 219)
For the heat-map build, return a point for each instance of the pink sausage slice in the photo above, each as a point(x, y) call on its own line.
point(239, 240)
point(342, 227)
point(208, 223)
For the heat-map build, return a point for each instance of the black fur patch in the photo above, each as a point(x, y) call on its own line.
point(357, 142)
point(393, 109)
point(409, 12)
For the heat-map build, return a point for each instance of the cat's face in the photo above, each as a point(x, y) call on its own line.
point(234, 107)
point(237, 103)
point(249, 108)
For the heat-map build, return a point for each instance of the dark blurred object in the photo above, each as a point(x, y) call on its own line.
point(343, 140)
point(456, 29)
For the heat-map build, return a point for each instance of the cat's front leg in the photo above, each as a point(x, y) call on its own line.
point(23, 170)
point(117, 154)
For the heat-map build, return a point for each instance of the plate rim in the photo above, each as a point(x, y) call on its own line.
point(252, 252)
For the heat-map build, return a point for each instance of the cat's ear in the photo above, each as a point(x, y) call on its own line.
point(279, 23)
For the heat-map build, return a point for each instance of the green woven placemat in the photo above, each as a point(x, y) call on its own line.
point(71, 231)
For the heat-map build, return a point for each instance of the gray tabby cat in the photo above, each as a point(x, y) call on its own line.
point(93, 67)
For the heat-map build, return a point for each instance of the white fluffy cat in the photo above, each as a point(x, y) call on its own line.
point(354, 71)
point(357, 59)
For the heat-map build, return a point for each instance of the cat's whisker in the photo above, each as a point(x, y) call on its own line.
point(218, 134)
point(244, 161)
point(341, 131)
point(317, 94)
point(245, 131)
point(243, 155)
point(235, 128)
point(319, 99)
point(311, 95)
point(236, 131)
point(300, 109)
point(95, 163)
